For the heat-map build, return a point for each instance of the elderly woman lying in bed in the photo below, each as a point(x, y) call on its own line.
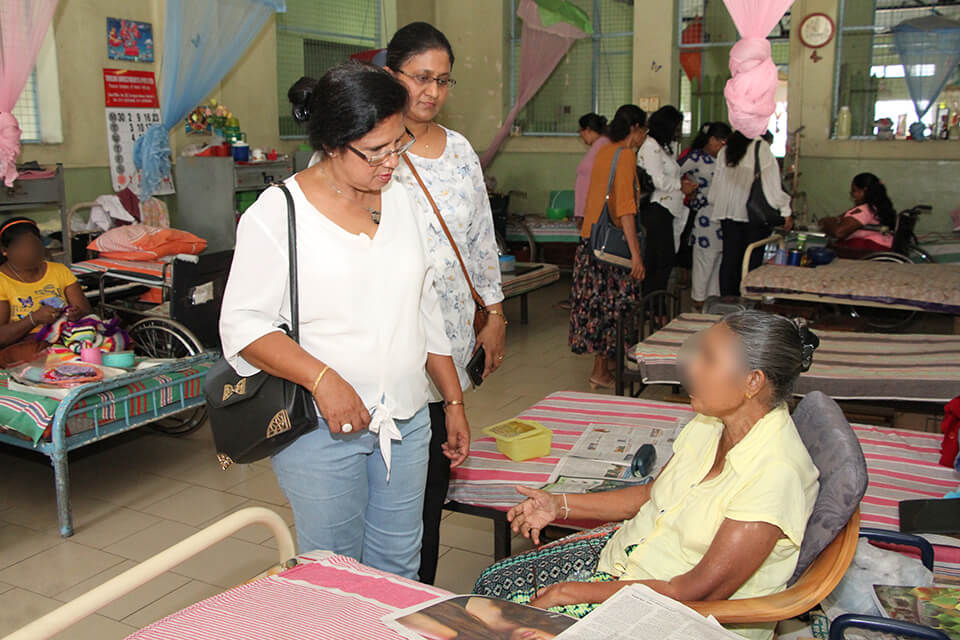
point(725, 517)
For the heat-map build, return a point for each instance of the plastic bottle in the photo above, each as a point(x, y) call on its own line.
point(844, 122)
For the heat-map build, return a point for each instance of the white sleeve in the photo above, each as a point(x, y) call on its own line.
point(770, 179)
point(257, 285)
point(654, 160)
point(433, 325)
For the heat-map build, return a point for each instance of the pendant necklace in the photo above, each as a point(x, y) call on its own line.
point(374, 213)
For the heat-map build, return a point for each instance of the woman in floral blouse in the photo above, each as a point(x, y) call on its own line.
point(699, 163)
point(421, 57)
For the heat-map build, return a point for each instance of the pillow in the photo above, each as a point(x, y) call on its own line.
point(142, 243)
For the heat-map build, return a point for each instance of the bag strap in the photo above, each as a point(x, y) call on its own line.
point(756, 161)
point(613, 172)
point(443, 225)
point(292, 252)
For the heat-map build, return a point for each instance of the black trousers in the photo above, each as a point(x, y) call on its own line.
point(736, 237)
point(438, 479)
point(659, 257)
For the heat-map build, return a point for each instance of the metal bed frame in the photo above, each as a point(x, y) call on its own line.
point(60, 444)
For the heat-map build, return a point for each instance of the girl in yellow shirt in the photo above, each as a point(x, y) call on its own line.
point(33, 291)
point(726, 516)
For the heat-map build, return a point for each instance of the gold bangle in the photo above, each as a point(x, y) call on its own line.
point(316, 383)
point(494, 312)
point(453, 403)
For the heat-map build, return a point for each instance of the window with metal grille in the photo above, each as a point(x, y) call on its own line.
point(27, 111)
point(869, 78)
point(706, 33)
point(314, 35)
point(596, 74)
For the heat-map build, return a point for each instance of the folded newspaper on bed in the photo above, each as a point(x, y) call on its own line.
point(637, 612)
point(600, 459)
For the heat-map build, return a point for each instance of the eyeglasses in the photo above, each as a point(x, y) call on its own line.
point(380, 158)
point(423, 80)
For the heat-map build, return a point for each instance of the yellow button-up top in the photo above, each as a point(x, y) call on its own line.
point(767, 477)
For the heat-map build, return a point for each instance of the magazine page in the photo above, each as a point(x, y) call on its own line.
point(583, 468)
point(565, 484)
point(934, 607)
point(476, 618)
point(638, 612)
point(617, 443)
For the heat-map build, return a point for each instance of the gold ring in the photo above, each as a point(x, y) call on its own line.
point(500, 357)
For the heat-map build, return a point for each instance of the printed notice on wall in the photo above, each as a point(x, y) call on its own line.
point(131, 103)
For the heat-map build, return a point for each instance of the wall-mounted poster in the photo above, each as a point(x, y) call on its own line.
point(129, 40)
point(130, 97)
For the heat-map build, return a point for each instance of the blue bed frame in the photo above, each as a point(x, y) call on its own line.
point(60, 444)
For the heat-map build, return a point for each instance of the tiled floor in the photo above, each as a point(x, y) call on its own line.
point(136, 494)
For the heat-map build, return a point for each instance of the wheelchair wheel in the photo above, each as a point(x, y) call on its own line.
point(163, 338)
point(180, 424)
point(886, 319)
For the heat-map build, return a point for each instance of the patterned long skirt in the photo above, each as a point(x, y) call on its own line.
point(600, 292)
point(571, 559)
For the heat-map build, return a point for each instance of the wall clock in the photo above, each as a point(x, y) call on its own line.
point(816, 30)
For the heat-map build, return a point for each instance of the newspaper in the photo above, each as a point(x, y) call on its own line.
point(600, 459)
point(637, 612)
point(618, 442)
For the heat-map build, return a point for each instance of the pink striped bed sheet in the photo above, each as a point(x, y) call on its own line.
point(902, 464)
point(325, 597)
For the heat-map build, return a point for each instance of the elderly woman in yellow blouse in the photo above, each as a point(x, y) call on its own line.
point(725, 517)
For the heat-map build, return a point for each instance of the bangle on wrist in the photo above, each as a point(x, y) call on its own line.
point(565, 507)
point(316, 383)
point(32, 321)
point(453, 403)
point(495, 312)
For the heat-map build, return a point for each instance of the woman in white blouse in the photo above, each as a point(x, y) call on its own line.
point(421, 58)
point(371, 327)
point(729, 193)
point(666, 214)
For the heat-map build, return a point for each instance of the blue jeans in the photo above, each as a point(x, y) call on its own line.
point(342, 502)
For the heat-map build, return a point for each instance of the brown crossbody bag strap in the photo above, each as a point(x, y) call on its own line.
point(481, 307)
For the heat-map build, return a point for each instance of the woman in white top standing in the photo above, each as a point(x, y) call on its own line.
point(421, 58)
point(371, 327)
point(665, 215)
point(729, 193)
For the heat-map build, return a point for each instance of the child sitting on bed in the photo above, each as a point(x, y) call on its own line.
point(871, 206)
point(41, 302)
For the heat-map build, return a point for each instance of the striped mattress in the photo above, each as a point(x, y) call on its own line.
point(925, 287)
point(543, 230)
point(324, 597)
point(144, 269)
point(847, 366)
point(902, 465)
point(540, 276)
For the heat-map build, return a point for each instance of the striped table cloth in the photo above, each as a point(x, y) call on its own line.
point(902, 464)
point(847, 366)
point(542, 275)
point(325, 597)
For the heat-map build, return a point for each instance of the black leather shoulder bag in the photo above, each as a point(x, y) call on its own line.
point(254, 417)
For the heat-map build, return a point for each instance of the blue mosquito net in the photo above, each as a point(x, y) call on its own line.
point(929, 48)
point(203, 39)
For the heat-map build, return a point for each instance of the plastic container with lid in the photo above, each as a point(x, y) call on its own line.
point(521, 440)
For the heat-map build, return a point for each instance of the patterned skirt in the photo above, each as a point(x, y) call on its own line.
point(600, 292)
point(571, 559)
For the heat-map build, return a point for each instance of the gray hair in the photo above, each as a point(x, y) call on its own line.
point(779, 347)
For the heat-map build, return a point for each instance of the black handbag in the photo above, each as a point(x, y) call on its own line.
point(254, 417)
point(607, 241)
point(759, 211)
